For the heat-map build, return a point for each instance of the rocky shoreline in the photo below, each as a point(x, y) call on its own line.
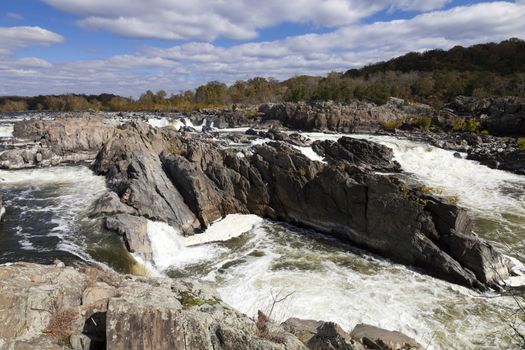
point(84, 308)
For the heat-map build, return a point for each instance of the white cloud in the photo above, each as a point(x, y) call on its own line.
point(188, 65)
point(12, 38)
point(235, 19)
point(14, 15)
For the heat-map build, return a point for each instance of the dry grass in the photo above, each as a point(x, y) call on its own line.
point(263, 330)
point(62, 323)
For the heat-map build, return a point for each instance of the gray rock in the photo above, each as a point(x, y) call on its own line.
point(134, 230)
point(139, 313)
point(384, 339)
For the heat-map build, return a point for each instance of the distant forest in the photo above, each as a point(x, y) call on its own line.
point(433, 77)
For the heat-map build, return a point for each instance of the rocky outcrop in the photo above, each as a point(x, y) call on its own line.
point(131, 162)
point(499, 115)
point(364, 154)
point(58, 141)
point(58, 307)
point(356, 116)
point(156, 171)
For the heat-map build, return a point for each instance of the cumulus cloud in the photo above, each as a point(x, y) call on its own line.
point(188, 65)
point(12, 38)
point(210, 19)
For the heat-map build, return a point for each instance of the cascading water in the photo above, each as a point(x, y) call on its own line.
point(347, 286)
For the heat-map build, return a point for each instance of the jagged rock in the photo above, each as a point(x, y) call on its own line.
point(356, 116)
point(43, 307)
point(110, 204)
point(362, 153)
point(59, 141)
point(343, 198)
point(132, 165)
point(134, 229)
point(381, 339)
point(319, 335)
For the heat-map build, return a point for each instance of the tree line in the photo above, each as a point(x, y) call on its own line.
point(433, 77)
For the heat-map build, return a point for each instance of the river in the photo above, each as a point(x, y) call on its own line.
point(48, 218)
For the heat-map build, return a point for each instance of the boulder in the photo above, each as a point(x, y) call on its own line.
point(134, 230)
point(381, 339)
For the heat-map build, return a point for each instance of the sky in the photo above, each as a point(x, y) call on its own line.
point(129, 46)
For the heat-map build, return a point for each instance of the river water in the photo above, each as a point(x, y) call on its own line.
point(48, 218)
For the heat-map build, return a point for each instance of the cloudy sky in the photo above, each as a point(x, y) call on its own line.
point(129, 46)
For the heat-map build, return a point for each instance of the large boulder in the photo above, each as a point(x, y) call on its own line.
point(378, 338)
point(56, 307)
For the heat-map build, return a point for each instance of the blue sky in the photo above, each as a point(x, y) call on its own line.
point(128, 46)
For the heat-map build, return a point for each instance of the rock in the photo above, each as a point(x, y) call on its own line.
point(362, 153)
point(134, 229)
point(390, 340)
point(356, 116)
point(58, 141)
point(457, 155)
point(156, 171)
point(110, 204)
point(134, 171)
point(142, 313)
point(80, 342)
point(330, 335)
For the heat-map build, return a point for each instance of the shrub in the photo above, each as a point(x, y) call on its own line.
point(484, 132)
point(472, 125)
point(393, 124)
point(521, 143)
point(423, 122)
point(458, 124)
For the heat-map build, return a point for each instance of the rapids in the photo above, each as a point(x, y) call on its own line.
point(48, 218)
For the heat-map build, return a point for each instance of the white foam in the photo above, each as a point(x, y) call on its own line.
point(66, 193)
point(169, 247)
point(336, 285)
point(6, 130)
point(310, 153)
point(231, 226)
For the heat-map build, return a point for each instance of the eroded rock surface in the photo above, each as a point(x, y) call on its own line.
point(192, 182)
point(57, 307)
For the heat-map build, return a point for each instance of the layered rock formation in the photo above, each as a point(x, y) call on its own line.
point(85, 308)
point(500, 115)
point(356, 116)
point(53, 142)
point(57, 307)
point(190, 183)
